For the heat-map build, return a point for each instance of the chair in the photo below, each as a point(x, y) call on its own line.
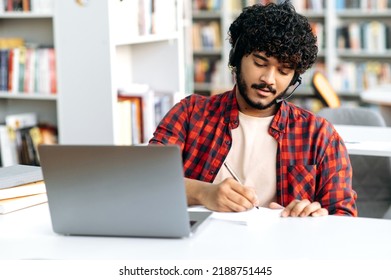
point(324, 91)
point(371, 174)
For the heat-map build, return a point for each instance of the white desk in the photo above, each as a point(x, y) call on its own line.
point(366, 140)
point(27, 234)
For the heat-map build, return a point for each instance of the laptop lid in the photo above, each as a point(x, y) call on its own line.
point(116, 190)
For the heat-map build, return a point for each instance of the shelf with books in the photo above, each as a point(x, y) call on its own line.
point(362, 46)
point(28, 69)
point(26, 6)
point(315, 11)
point(207, 45)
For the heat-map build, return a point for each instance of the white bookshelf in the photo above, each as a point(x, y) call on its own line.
point(100, 50)
point(35, 28)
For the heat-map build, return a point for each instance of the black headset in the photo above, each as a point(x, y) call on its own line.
point(232, 53)
point(296, 78)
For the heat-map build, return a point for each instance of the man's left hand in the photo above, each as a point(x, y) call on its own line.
point(301, 208)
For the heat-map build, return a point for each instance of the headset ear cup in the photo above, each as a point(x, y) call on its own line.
point(231, 57)
point(232, 53)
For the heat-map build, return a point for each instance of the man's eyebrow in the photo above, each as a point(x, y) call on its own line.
point(260, 57)
point(288, 66)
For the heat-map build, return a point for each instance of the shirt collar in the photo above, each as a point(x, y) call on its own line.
point(280, 120)
point(232, 111)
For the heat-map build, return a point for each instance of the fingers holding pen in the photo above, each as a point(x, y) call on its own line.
point(252, 194)
point(240, 195)
point(230, 195)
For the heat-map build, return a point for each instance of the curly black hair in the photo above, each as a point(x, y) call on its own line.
point(277, 30)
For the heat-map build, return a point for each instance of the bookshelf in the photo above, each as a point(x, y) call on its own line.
point(350, 71)
point(210, 48)
point(35, 27)
point(349, 63)
point(108, 45)
point(363, 46)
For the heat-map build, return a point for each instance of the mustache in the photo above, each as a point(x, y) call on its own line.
point(264, 85)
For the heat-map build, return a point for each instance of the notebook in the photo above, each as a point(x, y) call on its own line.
point(117, 191)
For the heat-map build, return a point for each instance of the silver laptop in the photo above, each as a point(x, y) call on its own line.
point(117, 191)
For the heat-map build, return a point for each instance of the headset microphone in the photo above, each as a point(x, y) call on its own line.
point(296, 81)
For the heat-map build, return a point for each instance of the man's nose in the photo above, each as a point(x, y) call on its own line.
point(269, 76)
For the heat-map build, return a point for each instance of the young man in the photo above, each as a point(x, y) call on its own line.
point(281, 155)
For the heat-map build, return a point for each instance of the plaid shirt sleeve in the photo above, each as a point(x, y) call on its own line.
point(335, 181)
point(314, 163)
point(172, 128)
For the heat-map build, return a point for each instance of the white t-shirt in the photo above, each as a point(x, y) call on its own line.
point(253, 157)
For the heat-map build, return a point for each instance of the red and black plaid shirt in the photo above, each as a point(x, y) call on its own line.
point(312, 161)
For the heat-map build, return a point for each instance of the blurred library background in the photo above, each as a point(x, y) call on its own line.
point(134, 59)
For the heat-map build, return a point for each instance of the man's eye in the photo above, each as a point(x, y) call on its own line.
point(284, 72)
point(258, 64)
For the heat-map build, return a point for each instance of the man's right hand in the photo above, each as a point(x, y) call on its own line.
point(227, 196)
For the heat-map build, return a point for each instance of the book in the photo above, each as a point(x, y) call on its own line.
point(22, 124)
point(143, 111)
point(16, 175)
point(52, 71)
point(28, 155)
point(13, 204)
point(8, 147)
point(124, 109)
point(4, 59)
point(23, 190)
point(22, 65)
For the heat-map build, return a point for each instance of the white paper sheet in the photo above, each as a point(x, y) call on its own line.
point(254, 217)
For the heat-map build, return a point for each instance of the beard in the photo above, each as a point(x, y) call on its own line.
point(242, 86)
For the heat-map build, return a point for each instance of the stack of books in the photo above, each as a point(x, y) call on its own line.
point(21, 186)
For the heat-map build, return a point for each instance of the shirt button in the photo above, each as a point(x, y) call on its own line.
point(211, 172)
point(228, 142)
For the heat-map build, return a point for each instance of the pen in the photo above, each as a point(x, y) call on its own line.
point(233, 174)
